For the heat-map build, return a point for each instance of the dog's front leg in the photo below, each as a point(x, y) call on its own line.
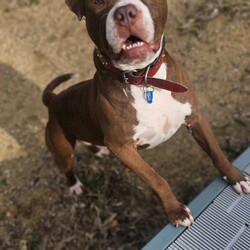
point(203, 134)
point(178, 213)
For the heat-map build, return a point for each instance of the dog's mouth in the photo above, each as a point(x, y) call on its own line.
point(135, 48)
point(132, 42)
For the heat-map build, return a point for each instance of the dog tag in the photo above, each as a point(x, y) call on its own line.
point(149, 94)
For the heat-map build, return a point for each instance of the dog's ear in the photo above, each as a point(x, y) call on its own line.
point(77, 6)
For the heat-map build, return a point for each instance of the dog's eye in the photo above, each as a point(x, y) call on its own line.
point(98, 2)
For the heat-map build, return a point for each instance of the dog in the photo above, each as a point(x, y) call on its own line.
point(138, 98)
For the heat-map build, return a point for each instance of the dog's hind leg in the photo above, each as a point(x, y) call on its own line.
point(61, 149)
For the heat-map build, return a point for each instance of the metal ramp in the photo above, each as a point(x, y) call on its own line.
point(222, 219)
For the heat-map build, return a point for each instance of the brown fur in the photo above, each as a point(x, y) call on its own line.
point(99, 112)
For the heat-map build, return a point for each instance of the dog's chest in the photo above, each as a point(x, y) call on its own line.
point(158, 121)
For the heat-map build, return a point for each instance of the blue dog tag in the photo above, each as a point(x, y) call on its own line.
point(149, 95)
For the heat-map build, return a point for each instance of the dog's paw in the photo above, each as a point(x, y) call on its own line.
point(103, 151)
point(76, 189)
point(181, 216)
point(99, 151)
point(241, 186)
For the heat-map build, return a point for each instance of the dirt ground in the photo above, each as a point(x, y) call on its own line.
point(41, 39)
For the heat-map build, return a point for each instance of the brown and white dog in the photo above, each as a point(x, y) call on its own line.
point(138, 98)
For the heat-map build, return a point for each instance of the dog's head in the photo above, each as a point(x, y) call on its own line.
point(129, 32)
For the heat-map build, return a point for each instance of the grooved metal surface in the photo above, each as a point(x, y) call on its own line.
point(225, 224)
point(222, 219)
point(244, 241)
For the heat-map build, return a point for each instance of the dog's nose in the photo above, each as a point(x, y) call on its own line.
point(126, 15)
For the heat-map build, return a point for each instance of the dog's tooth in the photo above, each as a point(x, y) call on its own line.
point(137, 44)
point(131, 46)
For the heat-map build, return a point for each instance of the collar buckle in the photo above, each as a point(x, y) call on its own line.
point(125, 77)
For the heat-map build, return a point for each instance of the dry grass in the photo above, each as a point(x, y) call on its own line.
point(205, 11)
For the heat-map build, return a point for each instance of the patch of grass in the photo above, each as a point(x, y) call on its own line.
point(34, 241)
point(233, 8)
point(206, 11)
point(233, 151)
point(23, 3)
point(4, 182)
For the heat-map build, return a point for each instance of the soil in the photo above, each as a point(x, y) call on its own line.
point(41, 39)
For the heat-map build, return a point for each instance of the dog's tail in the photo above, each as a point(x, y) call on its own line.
point(48, 91)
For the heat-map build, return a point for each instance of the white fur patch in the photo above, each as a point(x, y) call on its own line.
point(77, 189)
point(242, 186)
point(158, 121)
point(129, 66)
point(103, 151)
point(245, 186)
point(111, 32)
point(188, 222)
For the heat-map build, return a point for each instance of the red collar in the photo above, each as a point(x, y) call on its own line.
point(142, 77)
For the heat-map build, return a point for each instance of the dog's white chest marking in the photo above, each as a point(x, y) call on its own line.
point(158, 121)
